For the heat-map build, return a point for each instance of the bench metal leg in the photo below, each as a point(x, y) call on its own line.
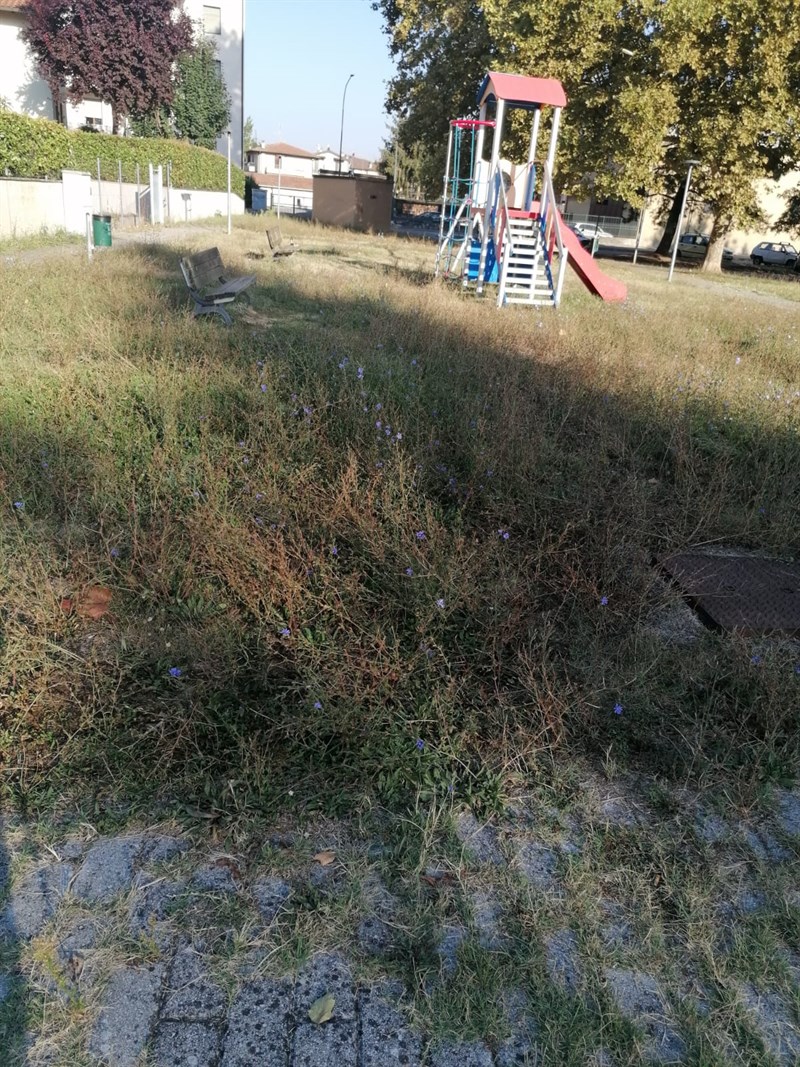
point(213, 309)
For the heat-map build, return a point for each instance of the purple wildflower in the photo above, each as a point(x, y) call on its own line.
point(503, 533)
point(318, 705)
point(263, 387)
point(360, 373)
point(379, 407)
point(286, 632)
point(114, 553)
point(755, 660)
point(421, 535)
point(420, 744)
point(378, 424)
point(409, 572)
point(19, 505)
point(307, 410)
point(440, 602)
point(175, 672)
point(334, 551)
point(603, 601)
point(617, 709)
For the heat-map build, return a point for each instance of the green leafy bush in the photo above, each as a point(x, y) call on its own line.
point(39, 148)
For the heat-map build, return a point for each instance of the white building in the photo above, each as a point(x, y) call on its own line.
point(24, 91)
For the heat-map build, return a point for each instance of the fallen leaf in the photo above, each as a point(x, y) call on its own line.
point(226, 861)
point(95, 602)
point(67, 605)
point(321, 1010)
point(326, 857)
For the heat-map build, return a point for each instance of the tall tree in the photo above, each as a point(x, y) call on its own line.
point(122, 51)
point(249, 139)
point(202, 106)
point(651, 83)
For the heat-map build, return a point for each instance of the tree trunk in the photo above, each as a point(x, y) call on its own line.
point(712, 264)
point(665, 244)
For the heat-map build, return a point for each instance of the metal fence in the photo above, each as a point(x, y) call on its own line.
point(612, 224)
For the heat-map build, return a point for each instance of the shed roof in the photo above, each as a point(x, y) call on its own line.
point(287, 182)
point(520, 91)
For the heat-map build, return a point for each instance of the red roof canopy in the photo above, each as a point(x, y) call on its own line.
point(520, 91)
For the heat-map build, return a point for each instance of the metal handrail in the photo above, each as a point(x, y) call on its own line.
point(552, 228)
point(446, 239)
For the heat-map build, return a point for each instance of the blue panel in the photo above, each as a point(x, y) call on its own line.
point(474, 260)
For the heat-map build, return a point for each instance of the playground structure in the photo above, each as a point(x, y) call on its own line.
point(499, 222)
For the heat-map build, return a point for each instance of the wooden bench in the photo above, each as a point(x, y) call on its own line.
point(209, 286)
point(275, 241)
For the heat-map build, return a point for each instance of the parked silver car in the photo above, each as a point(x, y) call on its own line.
point(774, 253)
point(695, 246)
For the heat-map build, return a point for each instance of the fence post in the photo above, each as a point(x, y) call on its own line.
point(119, 171)
point(169, 186)
point(99, 187)
point(150, 195)
point(138, 194)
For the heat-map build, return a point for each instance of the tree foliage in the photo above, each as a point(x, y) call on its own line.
point(651, 83)
point(121, 51)
point(249, 139)
point(202, 105)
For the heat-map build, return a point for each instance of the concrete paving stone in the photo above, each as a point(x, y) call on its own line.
point(108, 869)
point(765, 846)
point(127, 1015)
point(520, 1048)
point(618, 930)
point(186, 1044)
point(215, 878)
point(563, 961)
point(772, 1018)
point(151, 905)
point(487, 916)
point(258, 1027)
point(788, 812)
point(191, 995)
point(72, 848)
point(271, 896)
point(163, 847)
point(539, 865)
point(639, 999)
point(326, 973)
point(480, 840)
point(447, 950)
point(710, 827)
point(457, 1054)
point(375, 936)
point(333, 1044)
point(34, 901)
point(386, 1040)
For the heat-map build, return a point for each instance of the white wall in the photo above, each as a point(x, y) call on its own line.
point(230, 49)
point(19, 83)
point(28, 206)
point(266, 163)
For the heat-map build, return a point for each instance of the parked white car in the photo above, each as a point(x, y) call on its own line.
point(774, 253)
point(695, 246)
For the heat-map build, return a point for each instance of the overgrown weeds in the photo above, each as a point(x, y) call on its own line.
point(378, 539)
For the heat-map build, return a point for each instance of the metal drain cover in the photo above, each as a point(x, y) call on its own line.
point(745, 593)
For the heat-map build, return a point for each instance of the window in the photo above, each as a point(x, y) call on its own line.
point(212, 19)
point(218, 68)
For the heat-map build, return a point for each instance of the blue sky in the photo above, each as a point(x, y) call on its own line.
point(298, 54)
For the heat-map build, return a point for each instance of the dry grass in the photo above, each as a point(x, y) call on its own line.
point(228, 486)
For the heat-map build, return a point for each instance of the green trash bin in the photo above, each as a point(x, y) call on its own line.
point(101, 231)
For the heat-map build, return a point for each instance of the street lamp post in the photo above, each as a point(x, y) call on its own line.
point(691, 163)
point(341, 127)
point(229, 181)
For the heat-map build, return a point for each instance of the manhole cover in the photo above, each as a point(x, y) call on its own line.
point(744, 593)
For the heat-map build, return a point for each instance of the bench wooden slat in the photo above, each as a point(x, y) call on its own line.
point(204, 274)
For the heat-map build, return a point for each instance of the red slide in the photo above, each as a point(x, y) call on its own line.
point(587, 270)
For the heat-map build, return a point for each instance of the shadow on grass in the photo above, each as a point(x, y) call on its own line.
point(12, 986)
point(295, 675)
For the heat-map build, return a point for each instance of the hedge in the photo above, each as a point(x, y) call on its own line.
point(39, 148)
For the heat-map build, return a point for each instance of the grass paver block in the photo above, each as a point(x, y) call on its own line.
point(639, 999)
point(519, 1049)
point(772, 1019)
point(186, 1044)
point(539, 865)
point(215, 879)
point(108, 869)
point(192, 997)
point(331, 1044)
point(447, 949)
point(487, 915)
point(33, 902)
point(386, 1040)
point(788, 812)
point(563, 962)
point(127, 1016)
point(469, 1054)
point(150, 905)
point(258, 1027)
point(164, 847)
point(480, 841)
point(271, 895)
